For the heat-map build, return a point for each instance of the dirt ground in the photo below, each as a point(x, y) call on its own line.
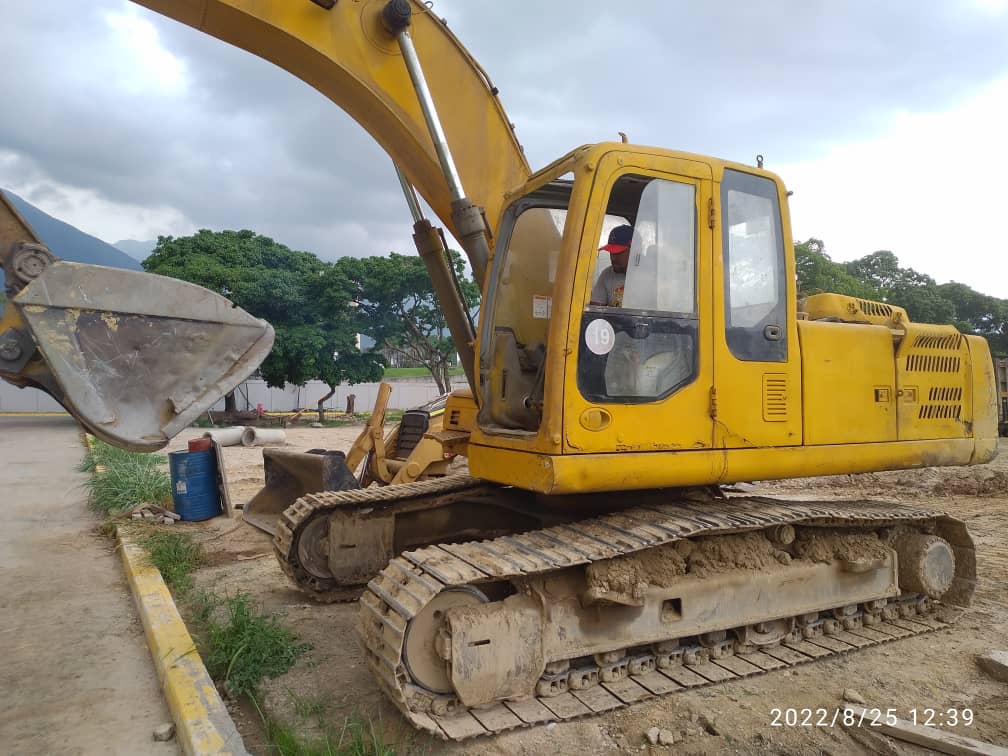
point(935, 671)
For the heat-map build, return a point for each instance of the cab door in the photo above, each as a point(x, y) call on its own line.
point(757, 396)
point(640, 375)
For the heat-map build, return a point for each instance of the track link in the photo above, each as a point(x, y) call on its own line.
point(297, 517)
point(412, 580)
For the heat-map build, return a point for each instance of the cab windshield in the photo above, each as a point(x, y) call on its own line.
point(519, 305)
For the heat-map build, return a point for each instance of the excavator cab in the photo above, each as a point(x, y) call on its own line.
point(571, 375)
point(694, 367)
point(134, 357)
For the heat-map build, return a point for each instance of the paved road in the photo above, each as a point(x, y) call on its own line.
point(75, 673)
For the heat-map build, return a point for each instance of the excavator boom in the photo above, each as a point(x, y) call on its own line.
point(347, 54)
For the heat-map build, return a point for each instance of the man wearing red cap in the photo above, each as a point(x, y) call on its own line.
point(608, 289)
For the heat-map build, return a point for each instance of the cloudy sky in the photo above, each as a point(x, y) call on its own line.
point(887, 120)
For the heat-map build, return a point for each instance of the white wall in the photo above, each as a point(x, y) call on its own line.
point(405, 394)
point(14, 399)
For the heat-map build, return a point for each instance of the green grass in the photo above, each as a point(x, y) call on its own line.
point(119, 487)
point(107, 455)
point(122, 479)
point(176, 555)
point(420, 372)
point(247, 646)
point(338, 419)
point(357, 736)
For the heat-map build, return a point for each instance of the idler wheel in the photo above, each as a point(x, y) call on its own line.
point(313, 548)
point(428, 667)
point(926, 564)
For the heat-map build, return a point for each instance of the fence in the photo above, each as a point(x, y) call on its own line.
point(405, 394)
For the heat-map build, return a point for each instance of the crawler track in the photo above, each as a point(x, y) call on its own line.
point(302, 512)
point(412, 580)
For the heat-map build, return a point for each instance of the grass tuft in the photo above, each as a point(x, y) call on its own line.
point(176, 555)
point(116, 488)
point(357, 736)
point(248, 646)
point(122, 479)
point(101, 453)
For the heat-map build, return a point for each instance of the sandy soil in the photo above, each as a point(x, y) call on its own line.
point(936, 670)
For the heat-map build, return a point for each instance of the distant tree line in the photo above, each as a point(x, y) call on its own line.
point(318, 308)
point(879, 277)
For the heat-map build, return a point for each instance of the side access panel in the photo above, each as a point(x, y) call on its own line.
point(848, 383)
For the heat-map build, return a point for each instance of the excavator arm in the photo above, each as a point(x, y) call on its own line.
point(347, 54)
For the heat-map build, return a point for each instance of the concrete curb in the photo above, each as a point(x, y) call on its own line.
point(34, 414)
point(203, 724)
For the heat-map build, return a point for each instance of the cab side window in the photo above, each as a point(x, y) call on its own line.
point(754, 276)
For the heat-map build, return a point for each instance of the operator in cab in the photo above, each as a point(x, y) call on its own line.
point(608, 289)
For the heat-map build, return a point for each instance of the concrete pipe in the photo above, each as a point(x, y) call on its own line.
point(226, 436)
point(263, 437)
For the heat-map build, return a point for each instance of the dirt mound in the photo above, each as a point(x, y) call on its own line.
point(747, 551)
point(827, 545)
point(982, 480)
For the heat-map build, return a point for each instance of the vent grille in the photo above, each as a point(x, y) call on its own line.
point(876, 309)
point(775, 397)
point(946, 341)
point(945, 394)
point(453, 418)
point(951, 409)
point(932, 363)
point(939, 412)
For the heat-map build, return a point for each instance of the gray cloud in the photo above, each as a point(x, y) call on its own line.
point(247, 145)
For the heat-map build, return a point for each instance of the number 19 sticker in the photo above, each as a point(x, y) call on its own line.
point(600, 336)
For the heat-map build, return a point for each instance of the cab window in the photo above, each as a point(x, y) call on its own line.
point(754, 277)
point(639, 330)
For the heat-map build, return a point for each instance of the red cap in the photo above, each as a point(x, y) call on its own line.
point(619, 240)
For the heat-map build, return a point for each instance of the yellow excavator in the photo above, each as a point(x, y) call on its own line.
point(592, 560)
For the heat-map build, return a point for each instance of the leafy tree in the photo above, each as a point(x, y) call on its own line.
point(880, 270)
point(817, 273)
point(315, 336)
point(980, 314)
point(396, 306)
point(916, 292)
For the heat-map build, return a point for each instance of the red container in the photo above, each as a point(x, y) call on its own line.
point(201, 444)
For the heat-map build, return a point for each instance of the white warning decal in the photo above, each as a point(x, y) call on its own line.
point(542, 306)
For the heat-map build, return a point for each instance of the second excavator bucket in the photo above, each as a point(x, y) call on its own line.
point(290, 475)
point(135, 357)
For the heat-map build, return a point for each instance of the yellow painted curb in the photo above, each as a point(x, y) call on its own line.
point(202, 723)
point(34, 414)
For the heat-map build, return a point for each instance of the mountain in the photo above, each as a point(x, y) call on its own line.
point(68, 242)
point(138, 250)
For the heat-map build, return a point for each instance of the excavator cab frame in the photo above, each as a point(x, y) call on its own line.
point(704, 373)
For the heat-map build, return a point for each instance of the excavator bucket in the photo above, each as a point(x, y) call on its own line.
point(133, 356)
point(292, 474)
point(289, 476)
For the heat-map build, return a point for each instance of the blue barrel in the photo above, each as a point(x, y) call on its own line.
point(194, 484)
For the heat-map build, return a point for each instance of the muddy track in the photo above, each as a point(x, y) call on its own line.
point(412, 580)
